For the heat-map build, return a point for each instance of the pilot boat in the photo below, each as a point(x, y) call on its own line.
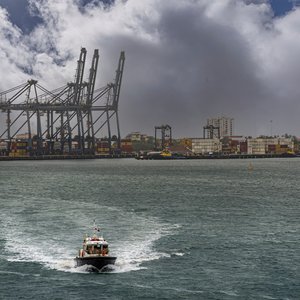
point(94, 252)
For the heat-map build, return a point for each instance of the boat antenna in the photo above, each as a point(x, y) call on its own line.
point(96, 228)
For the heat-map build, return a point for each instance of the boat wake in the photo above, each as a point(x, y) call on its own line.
point(132, 242)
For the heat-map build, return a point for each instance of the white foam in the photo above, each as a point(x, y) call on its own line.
point(19, 274)
point(230, 293)
point(133, 244)
point(138, 249)
point(178, 254)
point(268, 297)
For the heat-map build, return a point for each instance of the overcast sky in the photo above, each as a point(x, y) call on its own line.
point(186, 60)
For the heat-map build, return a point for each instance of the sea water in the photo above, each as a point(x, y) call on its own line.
point(181, 229)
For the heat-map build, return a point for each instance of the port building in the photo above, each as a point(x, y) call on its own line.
point(242, 145)
point(137, 137)
point(206, 146)
point(278, 145)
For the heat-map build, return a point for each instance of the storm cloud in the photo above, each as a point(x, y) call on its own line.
point(186, 60)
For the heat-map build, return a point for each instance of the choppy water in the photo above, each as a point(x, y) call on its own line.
point(206, 229)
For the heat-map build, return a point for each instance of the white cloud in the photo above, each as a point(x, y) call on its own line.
point(13, 54)
point(185, 60)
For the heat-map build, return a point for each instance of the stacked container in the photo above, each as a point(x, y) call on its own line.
point(103, 148)
point(19, 149)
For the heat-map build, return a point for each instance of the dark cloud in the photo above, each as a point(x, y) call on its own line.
point(200, 69)
point(186, 61)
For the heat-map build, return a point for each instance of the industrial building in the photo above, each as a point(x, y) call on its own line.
point(278, 145)
point(241, 145)
point(206, 146)
point(137, 137)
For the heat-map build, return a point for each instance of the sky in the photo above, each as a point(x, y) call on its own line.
point(186, 60)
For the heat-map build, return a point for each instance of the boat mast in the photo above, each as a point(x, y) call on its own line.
point(94, 227)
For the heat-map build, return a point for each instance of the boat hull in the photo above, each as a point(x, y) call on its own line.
point(98, 262)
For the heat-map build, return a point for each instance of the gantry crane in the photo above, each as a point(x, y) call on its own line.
point(166, 136)
point(74, 112)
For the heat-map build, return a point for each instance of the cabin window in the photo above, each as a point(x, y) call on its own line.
point(90, 249)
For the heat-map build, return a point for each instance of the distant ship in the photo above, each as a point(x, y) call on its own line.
point(95, 252)
point(164, 154)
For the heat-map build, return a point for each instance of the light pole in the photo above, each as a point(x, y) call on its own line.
point(271, 121)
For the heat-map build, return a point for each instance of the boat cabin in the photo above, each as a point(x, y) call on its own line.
point(94, 246)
